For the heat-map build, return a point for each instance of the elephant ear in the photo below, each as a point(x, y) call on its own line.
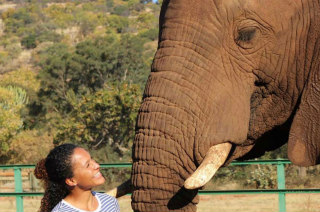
point(304, 137)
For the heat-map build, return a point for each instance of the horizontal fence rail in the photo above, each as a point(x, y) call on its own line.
point(281, 190)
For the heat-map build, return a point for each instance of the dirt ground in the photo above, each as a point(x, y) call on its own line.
point(208, 203)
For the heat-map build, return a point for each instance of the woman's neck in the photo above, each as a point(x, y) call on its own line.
point(83, 200)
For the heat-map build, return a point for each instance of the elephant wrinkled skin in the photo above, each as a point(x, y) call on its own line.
point(243, 72)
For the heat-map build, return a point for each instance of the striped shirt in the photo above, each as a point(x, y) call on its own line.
point(106, 204)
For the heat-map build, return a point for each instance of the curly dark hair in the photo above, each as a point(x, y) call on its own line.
point(53, 170)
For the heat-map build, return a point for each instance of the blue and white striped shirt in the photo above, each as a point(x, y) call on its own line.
point(106, 204)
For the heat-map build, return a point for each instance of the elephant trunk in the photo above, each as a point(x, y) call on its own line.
point(158, 180)
point(162, 154)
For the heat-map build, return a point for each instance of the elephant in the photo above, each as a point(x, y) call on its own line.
point(231, 79)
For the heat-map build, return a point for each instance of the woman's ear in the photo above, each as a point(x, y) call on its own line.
point(71, 182)
point(304, 137)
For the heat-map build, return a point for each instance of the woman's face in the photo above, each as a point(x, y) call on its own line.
point(86, 172)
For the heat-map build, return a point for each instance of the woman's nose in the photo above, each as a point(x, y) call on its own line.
point(96, 165)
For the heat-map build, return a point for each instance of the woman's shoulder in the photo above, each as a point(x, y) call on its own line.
point(103, 196)
point(57, 207)
point(108, 202)
point(63, 206)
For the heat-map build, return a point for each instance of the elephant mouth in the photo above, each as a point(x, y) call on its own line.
point(214, 159)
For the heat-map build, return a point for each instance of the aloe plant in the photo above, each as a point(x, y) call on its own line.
point(12, 99)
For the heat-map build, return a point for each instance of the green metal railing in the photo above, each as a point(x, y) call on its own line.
point(281, 190)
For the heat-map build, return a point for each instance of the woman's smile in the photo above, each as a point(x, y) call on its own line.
point(98, 174)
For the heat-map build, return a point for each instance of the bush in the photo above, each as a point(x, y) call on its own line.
point(263, 177)
point(150, 34)
point(118, 23)
point(25, 144)
point(29, 41)
point(121, 10)
point(9, 53)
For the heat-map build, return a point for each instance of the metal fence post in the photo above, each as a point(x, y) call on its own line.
point(18, 188)
point(281, 185)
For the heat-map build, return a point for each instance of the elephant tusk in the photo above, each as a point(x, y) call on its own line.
point(214, 159)
point(121, 190)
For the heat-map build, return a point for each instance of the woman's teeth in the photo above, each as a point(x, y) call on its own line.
point(98, 174)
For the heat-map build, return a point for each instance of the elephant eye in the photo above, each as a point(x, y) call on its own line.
point(245, 37)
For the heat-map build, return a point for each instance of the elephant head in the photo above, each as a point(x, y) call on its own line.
point(230, 79)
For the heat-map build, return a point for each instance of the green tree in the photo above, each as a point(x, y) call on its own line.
point(30, 24)
point(135, 6)
point(147, 20)
point(87, 69)
point(121, 10)
point(67, 75)
point(119, 23)
point(104, 118)
point(149, 34)
point(17, 21)
point(97, 63)
point(55, 76)
point(62, 16)
point(29, 41)
point(134, 67)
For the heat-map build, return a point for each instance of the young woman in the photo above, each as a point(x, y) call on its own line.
point(69, 174)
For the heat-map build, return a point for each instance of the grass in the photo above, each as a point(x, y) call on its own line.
point(208, 203)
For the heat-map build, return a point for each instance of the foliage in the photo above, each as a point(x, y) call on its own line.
point(146, 20)
point(62, 15)
point(92, 44)
point(38, 34)
point(106, 117)
point(54, 77)
point(30, 24)
point(97, 63)
point(88, 21)
point(280, 153)
point(263, 177)
point(150, 34)
point(24, 78)
point(18, 21)
point(10, 49)
point(145, 1)
point(11, 101)
point(121, 10)
point(24, 146)
point(29, 41)
point(92, 64)
point(119, 23)
point(133, 65)
point(9, 53)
